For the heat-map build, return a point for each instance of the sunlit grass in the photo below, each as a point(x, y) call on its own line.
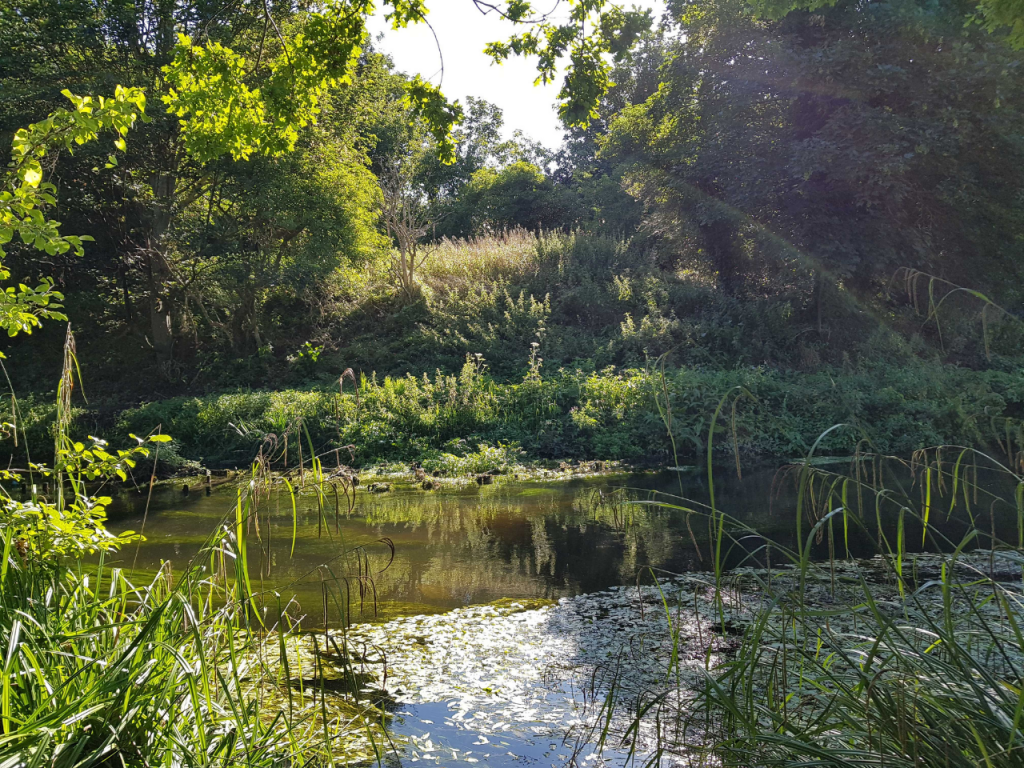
point(105, 666)
point(462, 264)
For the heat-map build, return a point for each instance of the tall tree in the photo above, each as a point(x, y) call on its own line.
point(827, 149)
point(242, 80)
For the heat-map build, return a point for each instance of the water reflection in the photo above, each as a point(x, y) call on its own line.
point(480, 543)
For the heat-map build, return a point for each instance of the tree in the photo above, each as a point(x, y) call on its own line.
point(515, 196)
point(822, 151)
point(407, 217)
point(477, 144)
point(458, 197)
point(278, 230)
point(1003, 17)
point(594, 182)
point(241, 81)
point(24, 195)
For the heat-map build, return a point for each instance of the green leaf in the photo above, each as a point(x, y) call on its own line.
point(31, 175)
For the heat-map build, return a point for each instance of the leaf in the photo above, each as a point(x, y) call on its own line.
point(31, 176)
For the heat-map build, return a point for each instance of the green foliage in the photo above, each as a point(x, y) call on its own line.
point(97, 669)
point(586, 79)
point(1002, 17)
point(606, 414)
point(780, 170)
point(24, 195)
point(833, 148)
point(254, 83)
point(427, 103)
point(456, 460)
point(489, 320)
point(72, 525)
point(281, 228)
point(107, 664)
point(517, 195)
point(220, 114)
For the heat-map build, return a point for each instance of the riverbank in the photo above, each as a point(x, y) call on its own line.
point(470, 423)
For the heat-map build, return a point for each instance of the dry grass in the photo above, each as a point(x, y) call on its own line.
point(459, 264)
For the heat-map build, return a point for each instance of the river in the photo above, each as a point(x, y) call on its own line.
point(494, 602)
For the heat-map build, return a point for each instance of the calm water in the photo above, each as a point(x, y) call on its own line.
point(478, 544)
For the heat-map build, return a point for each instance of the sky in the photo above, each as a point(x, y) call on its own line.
point(462, 32)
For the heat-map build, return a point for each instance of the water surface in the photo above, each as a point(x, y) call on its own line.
point(495, 684)
point(478, 544)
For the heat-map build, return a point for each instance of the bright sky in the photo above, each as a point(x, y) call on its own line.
point(462, 32)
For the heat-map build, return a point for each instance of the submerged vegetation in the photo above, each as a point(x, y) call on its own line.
point(906, 658)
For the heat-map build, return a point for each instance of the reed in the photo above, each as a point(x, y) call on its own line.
point(912, 657)
point(104, 666)
point(464, 264)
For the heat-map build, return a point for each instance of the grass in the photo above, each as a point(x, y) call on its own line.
point(198, 668)
point(813, 657)
point(574, 413)
point(460, 265)
point(835, 665)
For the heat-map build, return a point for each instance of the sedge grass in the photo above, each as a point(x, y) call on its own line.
point(912, 658)
point(196, 668)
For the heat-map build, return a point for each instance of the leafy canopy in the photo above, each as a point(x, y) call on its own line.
point(994, 15)
point(221, 113)
point(24, 194)
point(65, 527)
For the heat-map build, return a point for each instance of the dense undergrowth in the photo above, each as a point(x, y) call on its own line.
point(104, 664)
point(567, 346)
point(570, 413)
point(586, 300)
point(108, 665)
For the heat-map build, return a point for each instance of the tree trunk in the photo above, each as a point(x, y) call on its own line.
point(129, 314)
point(819, 298)
point(407, 249)
point(720, 242)
point(161, 303)
point(245, 330)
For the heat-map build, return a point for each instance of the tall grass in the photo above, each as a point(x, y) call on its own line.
point(914, 657)
point(464, 264)
point(105, 666)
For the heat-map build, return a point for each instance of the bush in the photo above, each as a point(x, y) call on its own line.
point(583, 413)
point(456, 460)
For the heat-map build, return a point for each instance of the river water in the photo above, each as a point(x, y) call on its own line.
point(479, 682)
point(464, 546)
point(477, 544)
